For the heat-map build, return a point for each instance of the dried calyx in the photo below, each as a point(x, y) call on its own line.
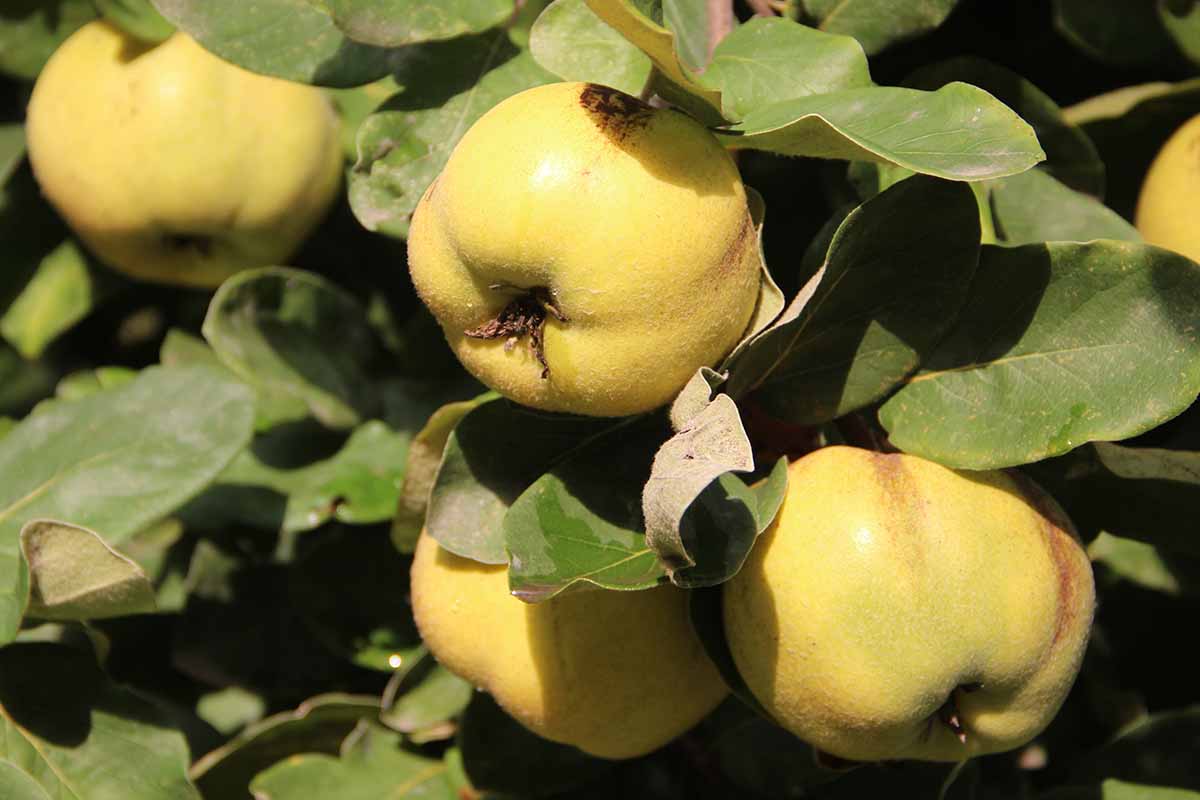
point(524, 315)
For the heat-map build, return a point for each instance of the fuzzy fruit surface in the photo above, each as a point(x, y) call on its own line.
point(632, 220)
point(174, 166)
point(1170, 193)
point(616, 674)
point(890, 585)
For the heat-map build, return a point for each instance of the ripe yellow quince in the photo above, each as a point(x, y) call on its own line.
point(899, 609)
point(613, 235)
point(616, 674)
point(175, 166)
point(1166, 209)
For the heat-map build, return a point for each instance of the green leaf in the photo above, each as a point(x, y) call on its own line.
point(265, 488)
point(772, 60)
point(30, 30)
point(1070, 154)
point(579, 522)
point(1120, 32)
point(958, 132)
point(706, 446)
point(64, 289)
point(389, 23)
point(357, 103)
point(1161, 749)
point(373, 764)
point(12, 149)
point(1046, 351)
point(230, 709)
point(879, 24)
point(65, 728)
point(137, 17)
point(300, 340)
point(115, 461)
point(75, 575)
point(438, 696)
point(351, 587)
point(84, 383)
point(1128, 127)
point(494, 454)
point(1120, 790)
point(403, 146)
point(569, 40)
point(291, 39)
point(658, 43)
point(1034, 207)
point(421, 468)
point(722, 524)
point(896, 274)
point(319, 725)
point(501, 755)
point(1141, 563)
point(1141, 493)
point(1182, 23)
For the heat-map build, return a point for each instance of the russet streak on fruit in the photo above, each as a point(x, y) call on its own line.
point(900, 609)
point(632, 219)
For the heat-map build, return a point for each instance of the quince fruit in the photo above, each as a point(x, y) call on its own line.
point(616, 674)
point(1170, 191)
point(175, 166)
point(613, 236)
point(899, 609)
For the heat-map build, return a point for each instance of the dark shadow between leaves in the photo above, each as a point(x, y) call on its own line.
point(50, 690)
point(718, 531)
point(412, 66)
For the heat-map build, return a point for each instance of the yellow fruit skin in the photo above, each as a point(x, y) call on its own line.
point(616, 674)
point(146, 149)
point(886, 584)
point(1166, 209)
point(634, 218)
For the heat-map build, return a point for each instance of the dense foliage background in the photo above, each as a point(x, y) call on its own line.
point(213, 494)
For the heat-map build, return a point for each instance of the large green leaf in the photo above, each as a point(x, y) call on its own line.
point(879, 23)
point(115, 461)
point(388, 23)
point(896, 274)
point(580, 522)
point(1035, 207)
point(771, 60)
point(373, 764)
point(298, 339)
point(66, 729)
point(494, 454)
point(1070, 154)
point(1121, 790)
point(959, 132)
point(292, 39)
point(423, 707)
point(1060, 344)
point(569, 40)
point(30, 30)
point(403, 146)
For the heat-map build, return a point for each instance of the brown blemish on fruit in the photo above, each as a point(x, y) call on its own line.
point(735, 254)
point(906, 504)
point(523, 316)
point(179, 242)
point(617, 114)
point(1064, 550)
